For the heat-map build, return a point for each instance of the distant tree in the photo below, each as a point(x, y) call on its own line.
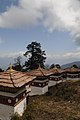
point(58, 66)
point(75, 66)
point(52, 66)
point(35, 56)
point(1, 70)
point(17, 65)
point(47, 66)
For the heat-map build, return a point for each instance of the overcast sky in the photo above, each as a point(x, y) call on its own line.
point(53, 23)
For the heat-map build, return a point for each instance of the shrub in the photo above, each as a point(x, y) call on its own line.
point(15, 117)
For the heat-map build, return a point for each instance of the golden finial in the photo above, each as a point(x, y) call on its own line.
point(10, 67)
point(10, 71)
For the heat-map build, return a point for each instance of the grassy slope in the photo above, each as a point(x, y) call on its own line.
point(62, 102)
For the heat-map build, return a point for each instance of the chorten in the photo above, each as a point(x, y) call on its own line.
point(56, 77)
point(14, 89)
point(72, 73)
point(40, 84)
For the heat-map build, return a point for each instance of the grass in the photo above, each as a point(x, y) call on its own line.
point(62, 102)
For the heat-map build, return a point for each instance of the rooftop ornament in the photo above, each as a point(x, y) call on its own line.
point(11, 74)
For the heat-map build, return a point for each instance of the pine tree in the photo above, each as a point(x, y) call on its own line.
point(35, 56)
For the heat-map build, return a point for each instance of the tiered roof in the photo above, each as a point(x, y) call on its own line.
point(72, 70)
point(56, 70)
point(40, 72)
point(14, 79)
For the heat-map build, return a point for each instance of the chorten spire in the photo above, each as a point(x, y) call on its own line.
point(10, 67)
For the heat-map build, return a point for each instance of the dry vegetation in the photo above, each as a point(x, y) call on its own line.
point(62, 102)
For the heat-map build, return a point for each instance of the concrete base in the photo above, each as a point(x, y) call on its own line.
point(73, 78)
point(52, 83)
point(38, 90)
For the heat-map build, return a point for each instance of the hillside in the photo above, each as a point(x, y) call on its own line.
point(62, 102)
point(68, 65)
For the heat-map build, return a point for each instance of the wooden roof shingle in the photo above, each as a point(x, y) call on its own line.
point(14, 79)
point(40, 72)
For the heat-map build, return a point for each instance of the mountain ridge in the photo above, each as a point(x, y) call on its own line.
point(68, 65)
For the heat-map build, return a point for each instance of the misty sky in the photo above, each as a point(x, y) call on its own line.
point(53, 23)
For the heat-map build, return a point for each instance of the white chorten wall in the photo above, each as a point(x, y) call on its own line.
point(6, 111)
point(19, 108)
point(55, 80)
point(52, 83)
point(69, 78)
point(28, 88)
point(38, 90)
point(72, 76)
